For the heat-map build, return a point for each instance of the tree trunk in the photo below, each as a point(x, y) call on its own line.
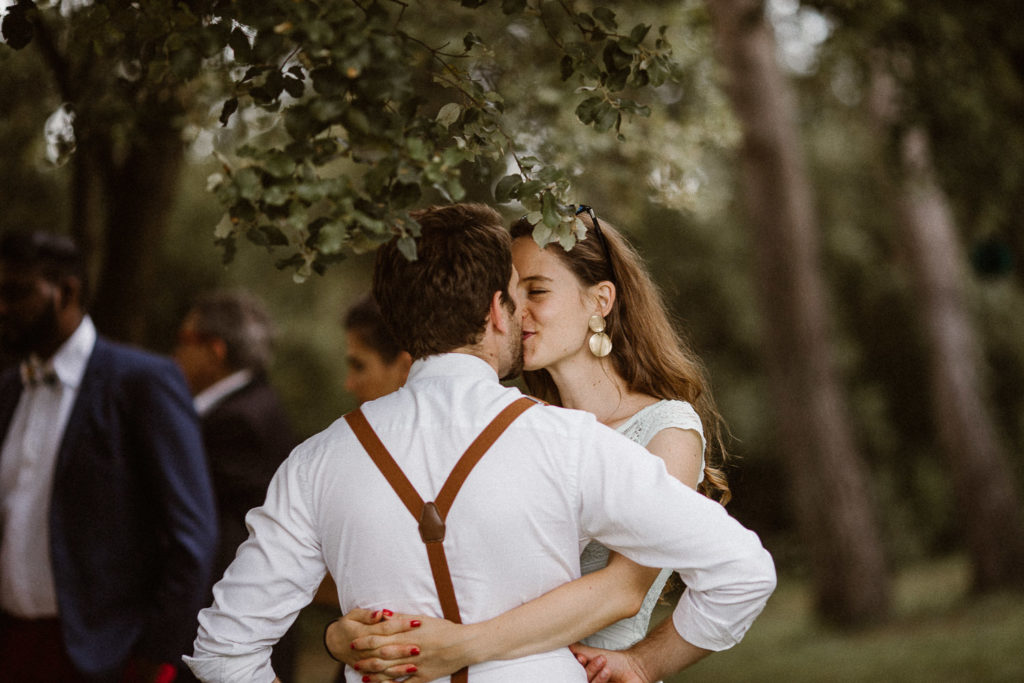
point(835, 515)
point(983, 479)
point(139, 192)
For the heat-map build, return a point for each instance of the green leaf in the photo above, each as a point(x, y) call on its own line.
point(549, 207)
point(588, 110)
point(417, 148)
point(566, 67)
point(229, 108)
point(542, 234)
point(328, 81)
point(407, 247)
point(248, 182)
point(449, 114)
point(606, 17)
point(616, 80)
point(240, 45)
point(513, 6)
point(639, 32)
point(274, 236)
point(16, 27)
point(507, 188)
point(279, 164)
point(471, 39)
point(606, 119)
point(276, 195)
point(293, 86)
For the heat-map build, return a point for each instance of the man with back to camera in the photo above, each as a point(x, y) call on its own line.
point(552, 478)
point(108, 522)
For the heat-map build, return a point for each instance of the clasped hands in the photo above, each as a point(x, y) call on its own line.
point(384, 646)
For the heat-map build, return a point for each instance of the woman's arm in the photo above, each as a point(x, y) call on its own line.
point(682, 451)
point(383, 647)
point(556, 619)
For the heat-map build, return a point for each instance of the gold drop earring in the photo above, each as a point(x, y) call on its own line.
point(600, 343)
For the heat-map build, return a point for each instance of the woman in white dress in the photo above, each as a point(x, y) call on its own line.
point(596, 337)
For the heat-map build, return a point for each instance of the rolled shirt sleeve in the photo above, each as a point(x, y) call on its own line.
point(632, 505)
point(273, 576)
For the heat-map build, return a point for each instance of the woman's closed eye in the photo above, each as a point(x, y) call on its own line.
point(536, 292)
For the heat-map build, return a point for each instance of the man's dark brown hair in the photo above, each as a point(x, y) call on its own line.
point(440, 301)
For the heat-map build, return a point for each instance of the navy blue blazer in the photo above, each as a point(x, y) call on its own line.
point(133, 526)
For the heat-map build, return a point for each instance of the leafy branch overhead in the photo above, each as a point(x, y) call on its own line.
point(375, 115)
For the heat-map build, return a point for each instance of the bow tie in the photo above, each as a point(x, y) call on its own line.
point(35, 374)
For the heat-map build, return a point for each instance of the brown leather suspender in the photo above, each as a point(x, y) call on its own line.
point(432, 515)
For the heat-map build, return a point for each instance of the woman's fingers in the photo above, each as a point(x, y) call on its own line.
point(388, 656)
point(595, 667)
point(380, 670)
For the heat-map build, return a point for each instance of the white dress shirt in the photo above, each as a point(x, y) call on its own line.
point(27, 465)
point(553, 481)
point(207, 399)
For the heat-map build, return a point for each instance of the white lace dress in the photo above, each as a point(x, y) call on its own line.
point(641, 428)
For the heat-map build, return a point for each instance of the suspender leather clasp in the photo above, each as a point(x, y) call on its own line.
point(431, 524)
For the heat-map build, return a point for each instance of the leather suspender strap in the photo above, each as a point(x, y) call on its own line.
point(432, 515)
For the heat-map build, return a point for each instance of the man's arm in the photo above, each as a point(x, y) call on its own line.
point(662, 653)
point(633, 506)
point(274, 575)
point(555, 619)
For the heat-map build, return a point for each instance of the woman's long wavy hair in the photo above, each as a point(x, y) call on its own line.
point(647, 350)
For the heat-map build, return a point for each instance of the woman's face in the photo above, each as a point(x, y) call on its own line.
point(556, 307)
point(369, 376)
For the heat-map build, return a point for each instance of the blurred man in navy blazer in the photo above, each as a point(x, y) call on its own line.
point(106, 510)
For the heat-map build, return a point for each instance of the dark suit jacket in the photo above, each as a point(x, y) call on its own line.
point(132, 520)
point(247, 435)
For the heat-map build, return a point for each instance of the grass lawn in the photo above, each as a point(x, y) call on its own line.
point(938, 633)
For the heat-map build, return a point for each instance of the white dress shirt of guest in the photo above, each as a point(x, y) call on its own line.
point(27, 463)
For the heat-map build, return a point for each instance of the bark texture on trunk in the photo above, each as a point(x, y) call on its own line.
point(983, 480)
point(834, 511)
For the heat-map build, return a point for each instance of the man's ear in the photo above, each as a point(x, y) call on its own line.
point(219, 348)
point(496, 315)
point(70, 291)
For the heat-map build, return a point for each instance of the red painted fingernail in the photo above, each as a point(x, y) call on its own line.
point(366, 679)
point(356, 667)
point(374, 615)
point(352, 645)
point(414, 623)
point(410, 670)
point(387, 613)
point(413, 652)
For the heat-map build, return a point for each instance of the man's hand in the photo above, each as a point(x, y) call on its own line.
point(662, 653)
point(609, 666)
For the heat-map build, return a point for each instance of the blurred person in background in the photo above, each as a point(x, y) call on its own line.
point(225, 346)
point(377, 365)
point(106, 509)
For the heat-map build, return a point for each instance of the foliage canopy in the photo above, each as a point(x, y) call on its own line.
point(376, 105)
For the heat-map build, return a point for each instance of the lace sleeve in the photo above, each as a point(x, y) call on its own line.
point(663, 415)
